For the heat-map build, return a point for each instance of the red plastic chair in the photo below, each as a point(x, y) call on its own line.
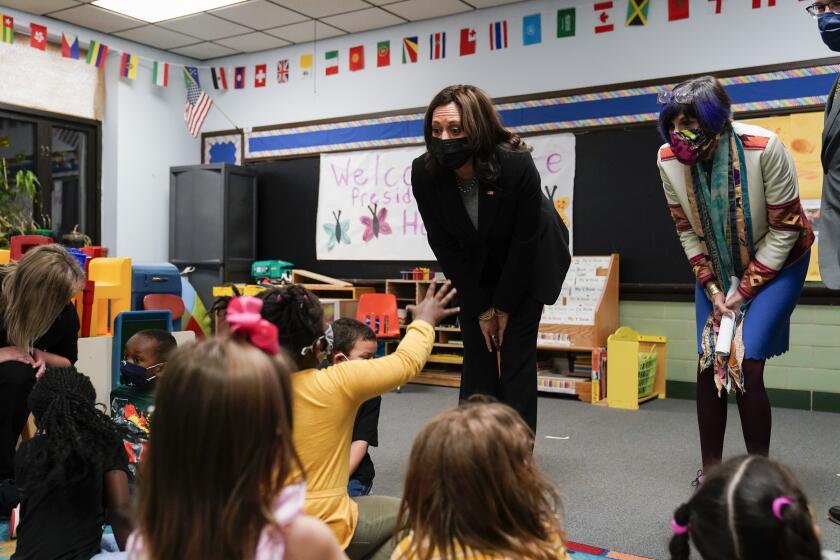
point(165, 302)
point(379, 312)
point(20, 244)
point(95, 251)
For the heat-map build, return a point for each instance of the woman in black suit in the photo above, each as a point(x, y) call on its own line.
point(496, 236)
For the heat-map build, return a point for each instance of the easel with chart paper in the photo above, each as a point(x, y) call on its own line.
point(585, 314)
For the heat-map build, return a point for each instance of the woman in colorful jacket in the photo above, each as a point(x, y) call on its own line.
point(733, 194)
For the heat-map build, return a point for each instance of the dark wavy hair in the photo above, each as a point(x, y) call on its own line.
point(299, 318)
point(731, 515)
point(482, 128)
point(79, 438)
point(703, 99)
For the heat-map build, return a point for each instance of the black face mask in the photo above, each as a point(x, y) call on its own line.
point(450, 154)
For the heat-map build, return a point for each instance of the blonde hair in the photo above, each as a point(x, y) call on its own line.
point(210, 497)
point(34, 292)
point(472, 483)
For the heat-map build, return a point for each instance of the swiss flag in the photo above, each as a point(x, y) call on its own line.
point(603, 23)
point(467, 41)
point(260, 75)
point(38, 36)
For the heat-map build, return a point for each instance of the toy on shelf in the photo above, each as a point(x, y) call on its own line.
point(417, 274)
point(273, 272)
point(20, 244)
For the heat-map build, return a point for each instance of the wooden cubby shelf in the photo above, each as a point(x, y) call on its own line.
point(585, 315)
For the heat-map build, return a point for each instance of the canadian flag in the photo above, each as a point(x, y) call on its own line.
point(260, 75)
point(757, 4)
point(38, 37)
point(603, 23)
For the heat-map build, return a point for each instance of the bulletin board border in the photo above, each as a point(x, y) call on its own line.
point(754, 91)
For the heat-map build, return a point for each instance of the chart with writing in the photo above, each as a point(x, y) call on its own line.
point(581, 292)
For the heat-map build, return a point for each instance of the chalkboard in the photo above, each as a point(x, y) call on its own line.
point(619, 208)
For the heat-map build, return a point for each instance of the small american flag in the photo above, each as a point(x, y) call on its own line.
point(198, 102)
point(283, 71)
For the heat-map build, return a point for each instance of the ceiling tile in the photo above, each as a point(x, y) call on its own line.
point(382, 2)
point(304, 32)
point(203, 51)
point(372, 18)
point(423, 9)
point(155, 36)
point(205, 26)
point(253, 42)
point(97, 19)
point(39, 7)
point(490, 3)
point(259, 14)
point(321, 8)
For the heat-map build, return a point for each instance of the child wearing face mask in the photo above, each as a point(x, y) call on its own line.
point(353, 340)
point(132, 401)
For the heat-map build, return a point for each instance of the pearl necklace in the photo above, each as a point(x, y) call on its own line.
point(467, 187)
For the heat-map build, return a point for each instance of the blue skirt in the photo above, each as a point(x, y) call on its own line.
point(767, 321)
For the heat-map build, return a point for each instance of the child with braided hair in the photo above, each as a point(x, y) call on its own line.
point(325, 404)
point(748, 508)
point(73, 475)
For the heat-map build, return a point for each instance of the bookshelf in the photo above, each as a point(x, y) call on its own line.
point(444, 366)
point(585, 314)
point(575, 329)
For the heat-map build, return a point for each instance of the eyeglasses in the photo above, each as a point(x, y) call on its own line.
point(821, 8)
point(682, 96)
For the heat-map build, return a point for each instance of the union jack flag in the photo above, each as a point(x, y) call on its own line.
point(283, 71)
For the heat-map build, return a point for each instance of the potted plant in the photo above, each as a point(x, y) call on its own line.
point(17, 199)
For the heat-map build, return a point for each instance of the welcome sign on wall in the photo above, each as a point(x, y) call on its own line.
point(366, 210)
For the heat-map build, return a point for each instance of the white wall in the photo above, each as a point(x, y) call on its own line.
point(739, 37)
point(143, 135)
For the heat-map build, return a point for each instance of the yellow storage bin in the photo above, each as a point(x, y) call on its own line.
point(636, 368)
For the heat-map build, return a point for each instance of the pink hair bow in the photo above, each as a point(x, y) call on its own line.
point(243, 315)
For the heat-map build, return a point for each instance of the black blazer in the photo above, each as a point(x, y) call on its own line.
point(829, 223)
point(521, 247)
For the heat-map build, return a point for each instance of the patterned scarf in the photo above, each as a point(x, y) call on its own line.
point(721, 205)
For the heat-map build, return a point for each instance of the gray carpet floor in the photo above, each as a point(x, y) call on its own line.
point(622, 473)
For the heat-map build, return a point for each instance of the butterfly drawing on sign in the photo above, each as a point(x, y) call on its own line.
point(561, 204)
point(337, 232)
point(376, 224)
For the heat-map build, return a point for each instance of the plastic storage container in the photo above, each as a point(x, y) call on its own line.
point(154, 278)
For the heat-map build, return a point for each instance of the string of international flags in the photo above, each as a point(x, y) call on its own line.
point(199, 103)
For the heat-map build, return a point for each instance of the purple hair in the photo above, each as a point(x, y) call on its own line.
point(701, 98)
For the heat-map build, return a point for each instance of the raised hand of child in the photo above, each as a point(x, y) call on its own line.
point(433, 307)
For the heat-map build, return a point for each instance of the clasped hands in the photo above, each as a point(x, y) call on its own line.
point(730, 307)
point(493, 324)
